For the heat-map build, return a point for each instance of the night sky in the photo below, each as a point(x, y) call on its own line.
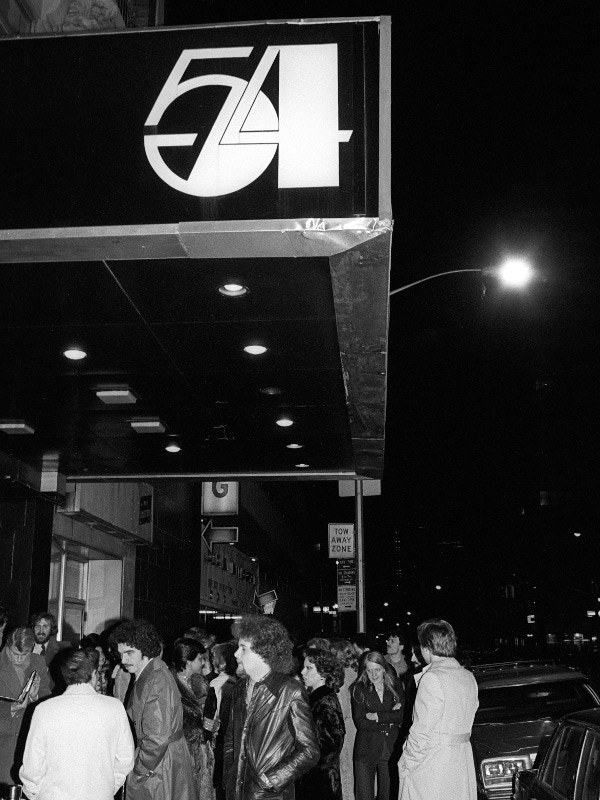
point(493, 394)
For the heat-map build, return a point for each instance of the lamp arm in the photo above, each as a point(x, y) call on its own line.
point(431, 277)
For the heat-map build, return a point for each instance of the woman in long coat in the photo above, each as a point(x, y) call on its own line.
point(377, 710)
point(323, 675)
point(345, 653)
point(437, 762)
point(188, 661)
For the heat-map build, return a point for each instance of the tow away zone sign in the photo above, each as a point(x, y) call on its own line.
point(341, 540)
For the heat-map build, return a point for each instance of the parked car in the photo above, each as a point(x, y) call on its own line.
point(520, 703)
point(570, 766)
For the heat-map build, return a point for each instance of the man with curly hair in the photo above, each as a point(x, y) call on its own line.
point(163, 768)
point(271, 738)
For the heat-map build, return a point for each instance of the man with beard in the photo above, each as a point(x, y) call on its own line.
point(163, 768)
point(46, 644)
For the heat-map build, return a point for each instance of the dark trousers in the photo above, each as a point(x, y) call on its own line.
point(364, 780)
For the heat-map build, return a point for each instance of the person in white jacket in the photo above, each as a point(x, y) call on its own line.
point(437, 761)
point(80, 743)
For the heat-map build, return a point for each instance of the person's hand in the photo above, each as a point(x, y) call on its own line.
point(209, 724)
point(16, 707)
point(372, 715)
point(35, 687)
point(397, 707)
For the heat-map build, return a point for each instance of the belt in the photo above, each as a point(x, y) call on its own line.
point(454, 739)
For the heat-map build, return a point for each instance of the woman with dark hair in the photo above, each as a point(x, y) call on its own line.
point(377, 710)
point(188, 659)
point(93, 640)
point(323, 675)
point(218, 705)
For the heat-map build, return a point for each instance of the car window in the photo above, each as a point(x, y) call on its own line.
point(560, 768)
point(591, 780)
point(535, 700)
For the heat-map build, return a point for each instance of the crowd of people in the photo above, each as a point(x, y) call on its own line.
point(251, 718)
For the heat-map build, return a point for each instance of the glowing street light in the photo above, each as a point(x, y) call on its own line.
point(513, 272)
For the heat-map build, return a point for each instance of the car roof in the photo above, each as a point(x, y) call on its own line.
point(590, 716)
point(519, 673)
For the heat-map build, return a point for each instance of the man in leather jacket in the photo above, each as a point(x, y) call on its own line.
point(271, 739)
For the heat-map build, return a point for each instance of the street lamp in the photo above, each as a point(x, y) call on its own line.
point(513, 272)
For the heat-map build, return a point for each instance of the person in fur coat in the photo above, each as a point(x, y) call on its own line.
point(323, 675)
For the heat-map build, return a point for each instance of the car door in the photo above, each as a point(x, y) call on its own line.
point(557, 778)
point(590, 769)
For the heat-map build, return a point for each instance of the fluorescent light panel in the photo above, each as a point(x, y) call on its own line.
point(147, 425)
point(15, 426)
point(118, 395)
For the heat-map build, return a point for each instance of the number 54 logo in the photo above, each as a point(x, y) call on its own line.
point(248, 130)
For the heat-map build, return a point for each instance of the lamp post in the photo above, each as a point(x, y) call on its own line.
point(514, 272)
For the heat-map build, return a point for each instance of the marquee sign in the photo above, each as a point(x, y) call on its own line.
point(273, 121)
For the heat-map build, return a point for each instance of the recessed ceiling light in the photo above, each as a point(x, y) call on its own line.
point(147, 425)
point(255, 349)
point(271, 390)
point(116, 395)
point(173, 447)
point(302, 466)
point(233, 289)
point(15, 426)
point(285, 422)
point(74, 353)
point(294, 446)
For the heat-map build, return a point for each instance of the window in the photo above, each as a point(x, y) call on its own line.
point(560, 769)
point(551, 699)
point(591, 781)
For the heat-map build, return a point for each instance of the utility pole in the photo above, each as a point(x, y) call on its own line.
point(360, 560)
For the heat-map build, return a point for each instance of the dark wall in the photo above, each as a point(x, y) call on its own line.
point(167, 580)
point(25, 544)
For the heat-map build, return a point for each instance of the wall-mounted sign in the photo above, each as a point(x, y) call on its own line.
point(228, 579)
point(145, 509)
point(220, 498)
point(235, 122)
point(341, 540)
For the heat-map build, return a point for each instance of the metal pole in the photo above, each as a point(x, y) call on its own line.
point(360, 560)
point(60, 613)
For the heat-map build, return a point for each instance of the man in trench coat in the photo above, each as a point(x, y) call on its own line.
point(437, 761)
point(163, 768)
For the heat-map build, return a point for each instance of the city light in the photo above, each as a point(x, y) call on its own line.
point(515, 272)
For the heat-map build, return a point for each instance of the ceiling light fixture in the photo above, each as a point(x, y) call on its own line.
point(15, 426)
point(116, 395)
point(233, 289)
point(302, 466)
point(255, 349)
point(284, 422)
point(173, 447)
point(74, 353)
point(294, 446)
point(271, 390)
point(147, 425)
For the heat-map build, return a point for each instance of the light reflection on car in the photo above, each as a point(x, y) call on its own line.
point(520, 704)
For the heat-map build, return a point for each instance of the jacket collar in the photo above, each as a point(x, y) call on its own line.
point(319, 694)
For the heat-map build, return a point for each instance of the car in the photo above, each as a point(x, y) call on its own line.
point(570, 766)
point(520, 704)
